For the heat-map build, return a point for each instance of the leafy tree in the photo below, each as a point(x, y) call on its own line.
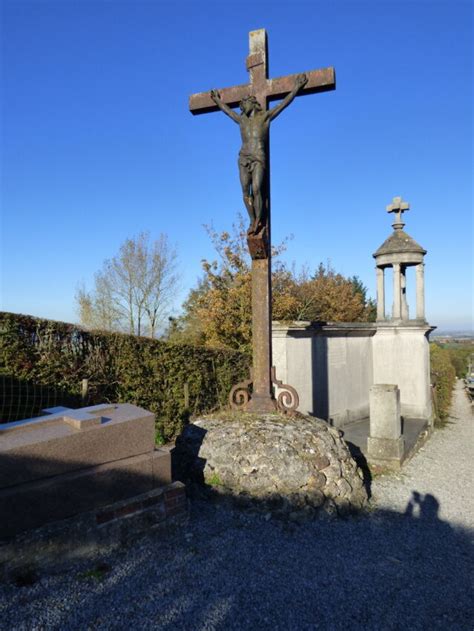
point(133, 290)
point(460, 355)
point(371, 305)
point(217, 312)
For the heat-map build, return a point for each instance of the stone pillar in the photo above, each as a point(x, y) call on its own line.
point(385, 444)
point(380, 293)
point(403, 292)
point(420, 291)
point(396, 310)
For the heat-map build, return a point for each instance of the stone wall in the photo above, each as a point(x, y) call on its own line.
point(332, 366)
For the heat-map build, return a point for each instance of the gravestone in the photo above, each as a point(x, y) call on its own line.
point(69, 462)
point(385, 442)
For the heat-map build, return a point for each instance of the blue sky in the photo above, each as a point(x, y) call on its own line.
point(98, 143)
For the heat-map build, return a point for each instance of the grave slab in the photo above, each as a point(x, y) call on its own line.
point(71, 440)
point(68, 462)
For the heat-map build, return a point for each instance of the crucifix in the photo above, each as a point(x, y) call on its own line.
point(398, 207)
point(257, 394)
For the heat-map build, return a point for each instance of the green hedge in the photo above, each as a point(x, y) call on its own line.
point(460, 356)
point(119, 367)
point(443, 377)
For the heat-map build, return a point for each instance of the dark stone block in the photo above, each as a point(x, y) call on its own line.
point(36, 503)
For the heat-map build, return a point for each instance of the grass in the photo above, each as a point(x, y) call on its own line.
point(159, 438)
point(97, 573)
point(214, 480)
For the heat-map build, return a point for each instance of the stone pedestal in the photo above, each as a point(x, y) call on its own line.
point(292, 467)
point(385, 443)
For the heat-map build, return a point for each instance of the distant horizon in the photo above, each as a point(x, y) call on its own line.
point(438, 331)
point(451, 332)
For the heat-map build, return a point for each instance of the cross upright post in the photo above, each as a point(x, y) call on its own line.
point(257, 394)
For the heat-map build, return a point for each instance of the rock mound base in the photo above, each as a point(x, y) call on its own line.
point(299, 467)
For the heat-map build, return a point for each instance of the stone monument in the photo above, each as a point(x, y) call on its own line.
point(290, 464)
point(399, 252)
point(334, 364)
point(400, 347)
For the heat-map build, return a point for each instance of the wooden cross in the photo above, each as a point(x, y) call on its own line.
point(261, 398)
point(398, 206)
point(260, 86)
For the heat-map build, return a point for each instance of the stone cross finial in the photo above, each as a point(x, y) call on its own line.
point(398, 207)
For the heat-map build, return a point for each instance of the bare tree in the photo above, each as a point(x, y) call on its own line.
point(134, 289)
point(96, 308)
point(159, 282)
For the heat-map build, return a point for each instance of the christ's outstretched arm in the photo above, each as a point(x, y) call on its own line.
point(301, 80)
point(215, 96)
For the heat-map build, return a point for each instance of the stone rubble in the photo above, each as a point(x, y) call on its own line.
point(294, 466)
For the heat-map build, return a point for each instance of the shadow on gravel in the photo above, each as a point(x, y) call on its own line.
point(237, 569)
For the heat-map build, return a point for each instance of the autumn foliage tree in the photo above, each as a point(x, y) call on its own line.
point(217, 312)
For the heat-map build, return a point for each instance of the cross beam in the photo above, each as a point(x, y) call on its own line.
point(261, 398)
point(260, 86)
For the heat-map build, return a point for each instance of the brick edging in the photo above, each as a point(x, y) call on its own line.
point(54, 546)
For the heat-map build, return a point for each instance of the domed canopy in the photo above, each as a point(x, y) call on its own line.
point(399, 242)
point(399, 252)
point(399, 247)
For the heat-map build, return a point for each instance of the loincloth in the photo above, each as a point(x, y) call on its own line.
point(250, 160)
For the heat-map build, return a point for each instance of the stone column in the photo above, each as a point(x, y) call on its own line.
point(385, 444)
point(403, 292)
point(420, 291)
point(396, 311)
point(380, 293)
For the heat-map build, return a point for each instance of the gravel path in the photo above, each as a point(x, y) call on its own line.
point(404, 565)
point(443, 468)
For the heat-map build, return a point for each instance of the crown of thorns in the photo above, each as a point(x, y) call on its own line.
point(252, 100)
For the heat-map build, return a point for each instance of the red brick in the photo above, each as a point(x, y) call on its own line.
point(175, 510)
point(127, 510)
point(175, 492)
point(171, 501)
point(151, 501)
point(102, 518)
point(175, 506)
